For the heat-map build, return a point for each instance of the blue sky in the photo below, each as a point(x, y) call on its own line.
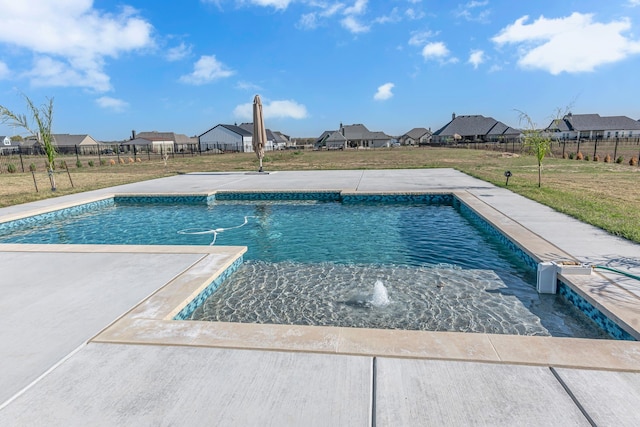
point(392, 65)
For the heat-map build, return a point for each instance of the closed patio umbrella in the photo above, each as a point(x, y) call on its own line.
point(259, 132)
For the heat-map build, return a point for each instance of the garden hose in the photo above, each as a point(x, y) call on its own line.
point(624, 273)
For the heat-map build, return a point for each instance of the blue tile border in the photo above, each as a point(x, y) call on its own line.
point(164, 199)
point(56, 214)
point(286, 195)
point(606, 324)
point(479, 221)
point(188, 310)
point(436, 199)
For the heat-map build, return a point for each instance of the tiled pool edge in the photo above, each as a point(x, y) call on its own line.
point(566, 289)
point(186, 312)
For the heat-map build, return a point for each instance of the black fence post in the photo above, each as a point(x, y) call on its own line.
point(21, 161)
point(615, 151)
point(77, 157)
point(595, 148)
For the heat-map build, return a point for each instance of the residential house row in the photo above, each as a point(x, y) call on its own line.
point(225, 137)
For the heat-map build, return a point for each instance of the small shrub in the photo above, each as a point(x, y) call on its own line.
point(619, 160)
point(139, 160)
point(564, 155)
point(32, 167)
point(579, 156)
point(571, 156)
point(103, 162)
point(596, 158)
point(78, 163)
point(131, 160)
point(11, 168)
point(90, 163)
point(62, 165)
point(112, 162)
point(586, 158)
point(121, 161)
point(607, 158)
point(633, 161)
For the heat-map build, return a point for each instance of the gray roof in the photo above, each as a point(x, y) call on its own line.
point(474, 126)
point(417, 133)
point(68, 140)
point(238, 130)
point(356, 132)
point(178, 138)
point(593, 122)
point(12, 144)
point(336, 136)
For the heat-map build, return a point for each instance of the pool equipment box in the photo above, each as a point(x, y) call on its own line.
point(548, 271)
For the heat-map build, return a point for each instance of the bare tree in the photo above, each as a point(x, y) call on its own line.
point(43, 117)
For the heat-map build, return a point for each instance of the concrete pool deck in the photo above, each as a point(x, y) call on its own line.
point(87, 340)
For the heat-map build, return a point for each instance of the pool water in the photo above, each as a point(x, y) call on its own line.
point(378, 265)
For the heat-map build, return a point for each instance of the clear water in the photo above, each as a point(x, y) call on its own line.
point(326, 263)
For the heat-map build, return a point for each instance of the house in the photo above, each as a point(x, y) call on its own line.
point(237, 138)
point(593, 126)
point(167, 142)
point(475, 128)
point(71, 144)
point(353, 136)
point(135, 145)
point(416, 136)
point(8, 146)
point(281, 141)
point(226, 138)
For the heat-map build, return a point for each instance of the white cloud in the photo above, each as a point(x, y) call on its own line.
point(110, 103)
point(308, 21)
point(358, 8)
point(4, 70)
point(572, 44)
point(74, 36)
point(420, 38)
point(179, 52)
point(634, 3)
point(273, 110)
point(50, 72)
point(474, 11)
point(413, 14)
point(206, 70)
point(435, 50)
point(276, 4)
point(476, 58)
point(384, 92)
point(353, 25)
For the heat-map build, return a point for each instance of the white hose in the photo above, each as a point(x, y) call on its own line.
point(197, 232)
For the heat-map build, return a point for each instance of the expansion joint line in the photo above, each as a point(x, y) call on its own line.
point(374, 368)
point(572, 396)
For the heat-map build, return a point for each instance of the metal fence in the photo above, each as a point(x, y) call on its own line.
point(622, 149)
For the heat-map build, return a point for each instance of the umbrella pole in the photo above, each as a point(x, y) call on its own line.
point(260, 170)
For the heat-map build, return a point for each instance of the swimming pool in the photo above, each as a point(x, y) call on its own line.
point(411, 262)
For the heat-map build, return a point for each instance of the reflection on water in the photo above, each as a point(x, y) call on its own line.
point(438, 298)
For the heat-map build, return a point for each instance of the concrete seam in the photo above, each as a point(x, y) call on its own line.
point(572, 396)
point(374, 367)
point(44, 374)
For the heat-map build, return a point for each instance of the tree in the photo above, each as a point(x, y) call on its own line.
point(43, 117)
point(536, 141)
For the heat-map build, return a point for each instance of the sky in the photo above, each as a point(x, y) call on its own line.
point(186, 66)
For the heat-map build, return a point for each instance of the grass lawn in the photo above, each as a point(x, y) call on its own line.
point(603, 194)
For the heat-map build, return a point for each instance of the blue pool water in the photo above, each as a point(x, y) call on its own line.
point(381, 265)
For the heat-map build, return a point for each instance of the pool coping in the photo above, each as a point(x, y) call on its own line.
point(150, 322)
